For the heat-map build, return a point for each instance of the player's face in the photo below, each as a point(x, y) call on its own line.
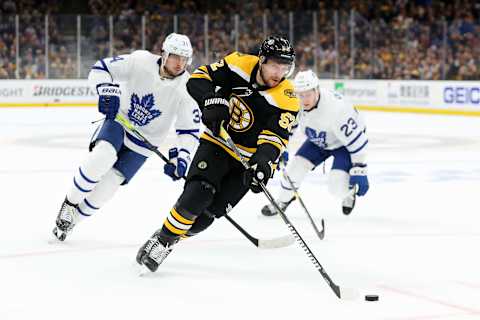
point(308, 99)
point(272, 72)
point(175, 64)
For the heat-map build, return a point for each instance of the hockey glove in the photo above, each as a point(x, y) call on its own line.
point(177, 166)
point(260, 170)
point(358, 176)
point(215, 110)
point(108, 99)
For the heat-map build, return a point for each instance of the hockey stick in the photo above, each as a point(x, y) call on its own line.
point(341, 293)
point(320, 234)
point(274, 243)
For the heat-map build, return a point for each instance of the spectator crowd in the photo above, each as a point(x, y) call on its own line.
point(392, 39)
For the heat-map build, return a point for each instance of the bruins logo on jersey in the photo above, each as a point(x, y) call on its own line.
point(289, 93)
point(241, 116)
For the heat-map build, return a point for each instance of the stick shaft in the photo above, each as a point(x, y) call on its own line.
point(335, 288)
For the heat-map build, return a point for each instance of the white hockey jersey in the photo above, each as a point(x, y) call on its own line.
point(150, 102)
point(334, 123)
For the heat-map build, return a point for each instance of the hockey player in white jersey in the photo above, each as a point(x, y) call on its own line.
point(150, 92)
point(333, 128)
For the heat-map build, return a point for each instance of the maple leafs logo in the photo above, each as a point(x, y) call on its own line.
point(318, 138)
point(141, 112)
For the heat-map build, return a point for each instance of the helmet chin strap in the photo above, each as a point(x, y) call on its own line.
point(317, 90)
point(290, 72)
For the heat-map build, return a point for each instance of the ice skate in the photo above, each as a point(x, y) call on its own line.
point(348, 204)
point(154, 251)
point(66, 220)
point(269, 210)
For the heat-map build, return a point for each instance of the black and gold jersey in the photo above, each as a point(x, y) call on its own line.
point(258, 114)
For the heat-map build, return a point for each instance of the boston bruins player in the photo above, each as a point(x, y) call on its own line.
point(252, 96)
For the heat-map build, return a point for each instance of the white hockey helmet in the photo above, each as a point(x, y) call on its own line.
point(178, 44)
point(305, 80)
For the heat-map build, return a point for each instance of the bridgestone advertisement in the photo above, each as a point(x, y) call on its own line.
point(442, 97)
point(45, 93)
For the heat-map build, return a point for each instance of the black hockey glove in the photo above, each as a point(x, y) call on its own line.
point(215, 109)
point(260, 167)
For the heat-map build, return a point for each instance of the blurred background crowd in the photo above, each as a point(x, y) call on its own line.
point(392, 39)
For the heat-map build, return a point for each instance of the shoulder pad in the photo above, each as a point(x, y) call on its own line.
point(144, 56)
point(282, 96)
point(241, 64)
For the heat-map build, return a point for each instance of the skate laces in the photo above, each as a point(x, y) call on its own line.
point(67, 215)
point(156, 250)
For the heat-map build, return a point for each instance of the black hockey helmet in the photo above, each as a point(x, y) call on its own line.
point(277, 47)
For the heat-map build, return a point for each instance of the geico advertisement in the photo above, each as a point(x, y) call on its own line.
point(461, 95)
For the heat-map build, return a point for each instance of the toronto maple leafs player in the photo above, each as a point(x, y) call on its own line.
point(333, 128)
point(150, 92)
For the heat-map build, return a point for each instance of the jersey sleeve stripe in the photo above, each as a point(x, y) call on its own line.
point(184, 150)
point(275, 144)
point(268, 133)
point(99, 68)
point(200, 76)
point(272, 139)
point(354, 140)
point(102, 66)
point(244, 151)
point(203, 69)
point(360, 148)
point(192, 132)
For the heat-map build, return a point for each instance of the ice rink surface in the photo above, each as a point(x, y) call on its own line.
point(414, 239)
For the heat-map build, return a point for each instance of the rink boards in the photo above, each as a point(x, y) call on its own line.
point(429, 97)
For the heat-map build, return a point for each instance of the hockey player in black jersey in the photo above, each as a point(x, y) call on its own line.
point(251, 97)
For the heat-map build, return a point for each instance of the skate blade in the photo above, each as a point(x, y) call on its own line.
point(141, 270)
point(58, 236)
point(261, 216)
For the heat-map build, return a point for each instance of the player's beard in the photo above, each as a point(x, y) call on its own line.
point(265, 81)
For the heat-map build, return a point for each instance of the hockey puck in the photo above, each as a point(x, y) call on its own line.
point(371, 297)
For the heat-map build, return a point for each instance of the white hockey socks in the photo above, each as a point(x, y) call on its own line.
point(338, 183)
point(88, 175)
point(103, 192)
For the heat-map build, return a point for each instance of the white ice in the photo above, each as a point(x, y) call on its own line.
point(413, 240)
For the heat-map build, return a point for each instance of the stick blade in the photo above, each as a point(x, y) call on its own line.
point(276, 243)
point(349, 294)
point(321, 234)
